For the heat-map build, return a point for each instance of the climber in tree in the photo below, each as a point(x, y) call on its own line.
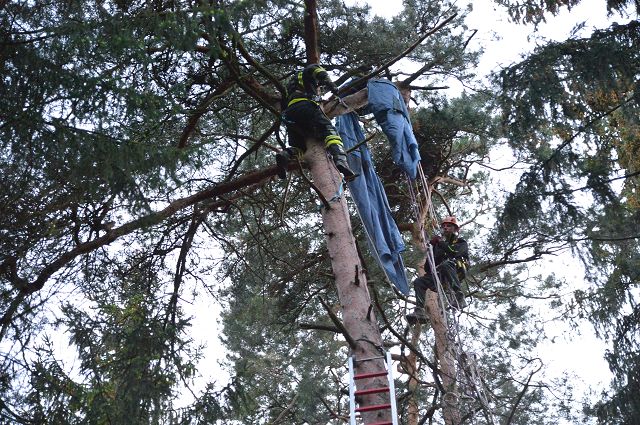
point(451, 256)
point(303, 117)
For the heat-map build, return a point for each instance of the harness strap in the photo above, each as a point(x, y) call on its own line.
point(300, 99)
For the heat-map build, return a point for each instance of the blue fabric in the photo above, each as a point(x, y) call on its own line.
point(390, 111)
point(371, 201)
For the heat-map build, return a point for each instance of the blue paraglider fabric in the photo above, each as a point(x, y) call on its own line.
point(388, 108)
point(371, 201)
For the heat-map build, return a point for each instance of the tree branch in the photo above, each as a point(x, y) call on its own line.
point(521, 395)
point(148, 220)
point(319, 327)
point(336, 320)
point(582, 129)
point(411, 347)
point(195, 116)
point(404, 53)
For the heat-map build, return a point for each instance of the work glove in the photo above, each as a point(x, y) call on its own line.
point(435, 240)
point(334, 90)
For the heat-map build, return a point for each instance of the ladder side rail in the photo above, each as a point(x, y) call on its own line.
point(352, 396)
point(392, 391)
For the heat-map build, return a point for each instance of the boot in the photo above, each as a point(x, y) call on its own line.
point(418, 316)
point(460, 298)
point(458, 301)
point(340, 159)
point(282, 161)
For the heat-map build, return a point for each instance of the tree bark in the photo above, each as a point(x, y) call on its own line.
point(413, 409)
point(311, 31)
point(351, 282)
point(446, 359)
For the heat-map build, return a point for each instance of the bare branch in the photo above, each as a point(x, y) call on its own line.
point(404, 53)
point(521, 395)
point(289, 406)
point(450, 180)
point(339, 324)
point(412, 87)
point(334, 107)
point(320, 327)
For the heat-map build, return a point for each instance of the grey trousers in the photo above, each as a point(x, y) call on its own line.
point(448, 278)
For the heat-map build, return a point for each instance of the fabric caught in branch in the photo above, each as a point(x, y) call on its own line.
point(388, 107)
point(372, 204)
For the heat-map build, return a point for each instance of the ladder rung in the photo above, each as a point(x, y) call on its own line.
point(374, 407)
point(370, 375)
point(367, 359)
point(372, 391)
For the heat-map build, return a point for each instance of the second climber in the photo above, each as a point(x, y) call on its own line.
point(304, 118)
point(451, 257)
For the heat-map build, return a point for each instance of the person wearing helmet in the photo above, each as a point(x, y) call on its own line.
point(451, 256)
point(303, 117)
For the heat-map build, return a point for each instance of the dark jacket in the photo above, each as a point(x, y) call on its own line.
point(455, 249)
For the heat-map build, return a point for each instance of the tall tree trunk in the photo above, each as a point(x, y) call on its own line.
point(351, 282)
point(311, 31)
point(446, 359)
point(413, 409)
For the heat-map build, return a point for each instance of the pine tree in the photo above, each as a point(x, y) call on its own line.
point(576, 119)
point(136, 136)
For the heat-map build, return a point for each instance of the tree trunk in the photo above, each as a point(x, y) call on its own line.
point(446, 359)
point(445, 356)
point(311, 31)
point(351, 283)
point(413, 409)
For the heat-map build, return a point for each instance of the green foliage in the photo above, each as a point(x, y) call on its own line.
point(453, 136)
point(454, 133)
point(276, 280)
point(558, 107)
point(567, 87)
point(113, 111)
point(532, 11)
point(130, 353)
point(571, 110)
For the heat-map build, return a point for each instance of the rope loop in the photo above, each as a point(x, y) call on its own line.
point(451, 398)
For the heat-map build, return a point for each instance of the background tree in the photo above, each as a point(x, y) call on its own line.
point(571, 110)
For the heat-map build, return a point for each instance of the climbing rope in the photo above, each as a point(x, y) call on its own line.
point(418, 193)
